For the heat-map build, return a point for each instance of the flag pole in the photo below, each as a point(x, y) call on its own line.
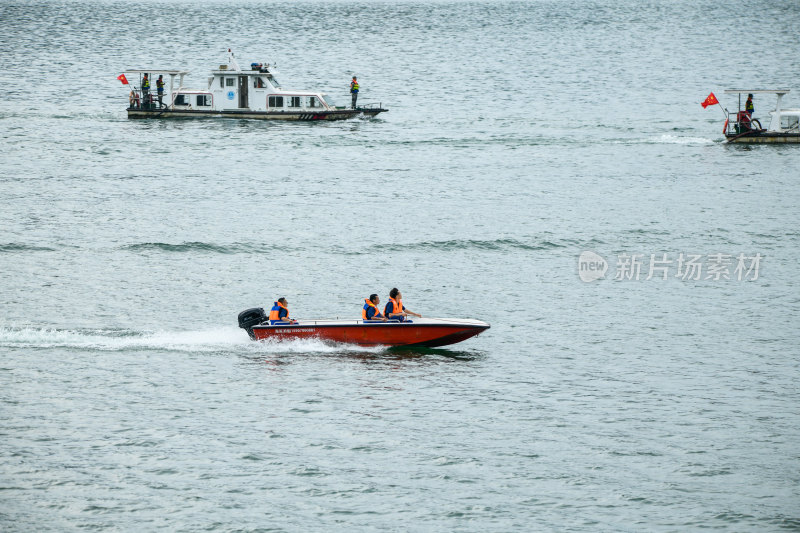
point(717, 102)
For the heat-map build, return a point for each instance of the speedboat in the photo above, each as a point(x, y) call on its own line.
point(419, 332)
point(782, 126)
point(232, 92)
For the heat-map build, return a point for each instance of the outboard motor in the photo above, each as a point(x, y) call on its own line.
point(252, 317)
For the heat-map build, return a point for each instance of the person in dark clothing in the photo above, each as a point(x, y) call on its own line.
point(354, 91)
point(160, 88)
point(146, 92)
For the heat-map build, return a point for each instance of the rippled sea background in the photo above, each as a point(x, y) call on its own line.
point(519, 135)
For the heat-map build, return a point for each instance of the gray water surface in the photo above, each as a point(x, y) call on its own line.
point(520, 134)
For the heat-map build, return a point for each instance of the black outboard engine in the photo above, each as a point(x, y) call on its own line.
point(252, 317)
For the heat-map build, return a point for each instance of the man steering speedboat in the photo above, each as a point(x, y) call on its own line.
point(279, 314)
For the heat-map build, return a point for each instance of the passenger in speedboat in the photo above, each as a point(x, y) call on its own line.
point(370, 311)
point(395, 310)
point(279, 314)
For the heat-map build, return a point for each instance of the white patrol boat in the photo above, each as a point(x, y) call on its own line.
point(783, 125)
point(235, 93)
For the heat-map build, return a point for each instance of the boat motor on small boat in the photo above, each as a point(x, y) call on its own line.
point(428, 332)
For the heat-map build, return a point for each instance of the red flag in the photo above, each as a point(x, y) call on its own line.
point(124, 80)
point(711, 100)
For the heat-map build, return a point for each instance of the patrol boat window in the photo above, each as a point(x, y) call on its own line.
point(276, 101)
point(258, 83)
point(182, 99)
point(294, 101)
point(312, 101)
point(204, 100)
point(229, 82)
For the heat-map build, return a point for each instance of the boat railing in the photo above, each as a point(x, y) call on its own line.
point(370, 105)
point(138, 99)
point(740, 122)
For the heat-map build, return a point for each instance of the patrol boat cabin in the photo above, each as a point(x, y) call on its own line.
point(782, 124)
point(233, 92)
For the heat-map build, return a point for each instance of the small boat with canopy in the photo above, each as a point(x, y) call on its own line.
point(781, 125)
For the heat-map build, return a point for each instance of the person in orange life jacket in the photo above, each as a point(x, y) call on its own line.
point(280, 313)
point(370, 310)
point(394, 309)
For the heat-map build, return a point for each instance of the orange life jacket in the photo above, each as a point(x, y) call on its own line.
point(367, 305)
point(275, 312)
point(397, 306)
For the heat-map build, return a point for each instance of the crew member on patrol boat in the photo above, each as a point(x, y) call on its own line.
point(160, 88)
point(279, 314)
point(394, 309)
point(354, 90)
point(370, 310)
point(145, 87)
point(748, 106)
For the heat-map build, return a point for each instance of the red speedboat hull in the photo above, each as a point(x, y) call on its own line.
point(421, 332)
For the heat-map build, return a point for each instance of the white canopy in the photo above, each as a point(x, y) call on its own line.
point(156, 71)
point(756, 91)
